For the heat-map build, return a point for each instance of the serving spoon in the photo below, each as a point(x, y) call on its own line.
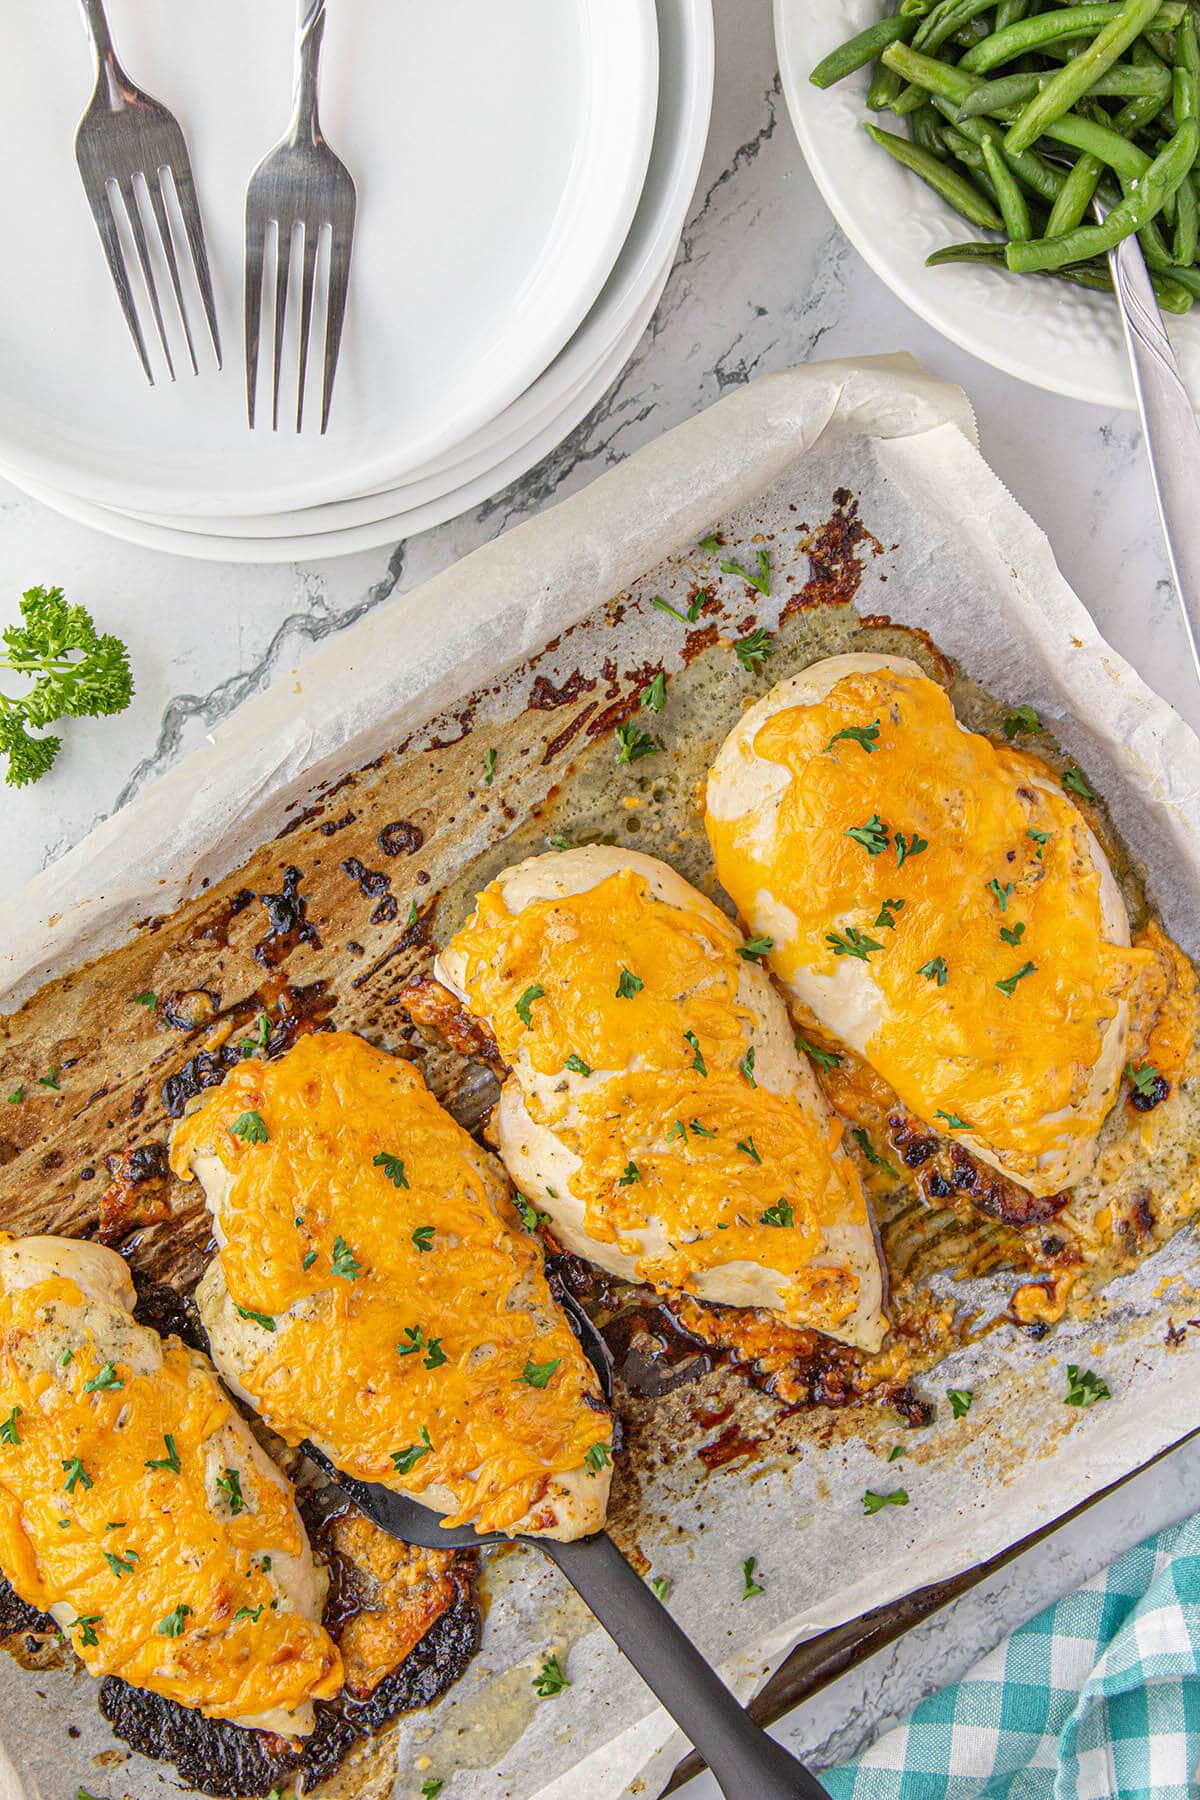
point(747, 1763)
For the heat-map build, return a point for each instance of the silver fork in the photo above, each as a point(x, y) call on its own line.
point(128, 141)
point(301, 188)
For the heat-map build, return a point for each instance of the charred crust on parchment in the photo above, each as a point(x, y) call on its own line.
point(944, 1170)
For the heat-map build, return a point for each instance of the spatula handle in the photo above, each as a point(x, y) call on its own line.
point(746, 1762)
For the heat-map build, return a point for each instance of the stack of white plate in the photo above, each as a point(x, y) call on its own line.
point(524, 172)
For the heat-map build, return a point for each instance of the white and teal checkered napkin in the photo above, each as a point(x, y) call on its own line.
point(1098, 1698)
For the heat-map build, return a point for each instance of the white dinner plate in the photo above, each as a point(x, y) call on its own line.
point(385, 531)
point(685, 79)
point(1042, 331)
point(499, 153)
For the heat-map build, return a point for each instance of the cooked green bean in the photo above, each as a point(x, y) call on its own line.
point(1010, 11)
point(885, 85)
point(1125, 158)
point(1172, 294)
point(1042, 28)
point(927, 73)
point(1039, 176)
point(858, 51)
point(1014, 209)
point(1075, 78)
point(945, 19)
point(927, 132)
point(955, 189)
point(1169, 168)
point(1122, 82)
point(1075, 196)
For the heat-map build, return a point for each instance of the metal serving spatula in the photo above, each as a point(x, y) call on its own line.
point(1169, 426)
point(746, 1762)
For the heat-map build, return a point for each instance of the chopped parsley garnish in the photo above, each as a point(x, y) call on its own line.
point(935, 970)
point(253, 1613)
point(249, 1126)
point(530, 1217)
point(749, 1148)
point(895, 1453)
point(16, 1097)
point(746, 1067)
point(906, 846)
point(230, 1484)
point(560, 841)
point(431, 1787)
point(697, 1061)
point(263, 1319)
point(678, 1130)
point(1021, 718)
point(872, 1155)
point(50, 1080)
point(550, 1679)
point(345, 1263)
point(873, 1503)
point(886, 920)
point(1009, 983)
point(953, 1120)
point(577, 1065)
point(1084, 1387)
point(750, 1586)
point(1001, 894)
point(87, 1623)
point(393, 1168)
point(760, 580)
point(872, 836)
point(8, 1427)
point(121, 1565)
point(753, 651)
point(628, 984)
point(865, 736)
point(172, 1625)
point(755, 948)
point(824, 1059)
point(1012, 934)
point(712, 544)
point(170, 1461)
point(1041, 839)
point(654, 697)
point(635, 743)
point(107, 1378)
point(598, 1457)
point(413, 914)
point(1143, 1081)
point(960, 1401)
point(404, 1461)
point(489, 768)
point(1076, 780)
point(422, 1237)
point(631, 1174)
point(65, 1358)
point(660, 1587)
point(146, 999)
point(779, 1214)
point(75, 1473)
point(693, 611)
point(537, 1375)
point(854, 943)
point(536, 992)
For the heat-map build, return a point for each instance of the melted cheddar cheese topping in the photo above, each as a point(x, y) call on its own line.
point(674, 1136)
point(970, 895)
point(416, 1303)
point(109, 1501)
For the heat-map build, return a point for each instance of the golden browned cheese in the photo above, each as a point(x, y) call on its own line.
point(1164, 1024)
point(159, 1579)
point(398, 1591)
point(712, 1151)
point(1000, 889)
point(368, 1206)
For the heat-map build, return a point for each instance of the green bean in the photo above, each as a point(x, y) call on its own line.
point(885, 85)
point(1129, 162)
point(1040, 177)
point(911, 97)
point(944, 20)
point(1169, 168)
point(955, 189)
point(1173, 294)
point(1075, 196)
point(1042, 28)
point(858, 51)
point(1013, 208)
point(925, 72)
point(1121, 82)
point(1186, 105)
point(927, 132)
point(1076, 77)
point(1010, 11)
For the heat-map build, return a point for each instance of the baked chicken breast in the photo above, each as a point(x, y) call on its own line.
point(375, 1291)
point(938, 902)
point(137, 1508)
point(657, 1108)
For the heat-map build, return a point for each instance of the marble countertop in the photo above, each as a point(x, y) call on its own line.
point(763, 280)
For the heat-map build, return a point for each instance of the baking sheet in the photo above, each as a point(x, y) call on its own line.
point(959, 560)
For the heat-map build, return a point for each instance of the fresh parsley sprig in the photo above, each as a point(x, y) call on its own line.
point(76, 672)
